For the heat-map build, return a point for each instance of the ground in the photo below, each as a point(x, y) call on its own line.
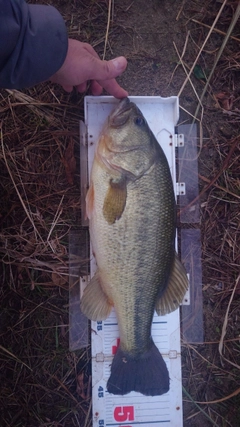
point(41, 382)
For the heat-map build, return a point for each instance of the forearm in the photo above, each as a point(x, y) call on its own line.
point(33, 43)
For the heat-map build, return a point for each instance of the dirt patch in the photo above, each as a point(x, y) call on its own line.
point(42, 384)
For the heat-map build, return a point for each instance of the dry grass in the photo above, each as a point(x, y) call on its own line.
point(42, 383)
point(40, 378)
point(211, 371)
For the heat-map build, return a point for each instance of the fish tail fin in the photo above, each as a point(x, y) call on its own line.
point(146, 374)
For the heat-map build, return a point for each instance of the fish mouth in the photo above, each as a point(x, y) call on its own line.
point(118, 118)
point(120, 114)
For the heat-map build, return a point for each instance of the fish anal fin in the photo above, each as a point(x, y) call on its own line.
point(175, 290)
point(115, 200)
point(95, 303)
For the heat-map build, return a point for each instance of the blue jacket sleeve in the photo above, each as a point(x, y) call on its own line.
point(33, 43)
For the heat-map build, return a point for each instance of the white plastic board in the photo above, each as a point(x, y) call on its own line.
point(134, 408)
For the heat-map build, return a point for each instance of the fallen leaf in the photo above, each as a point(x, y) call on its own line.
point(81, 386)
point(58, 280)
point(225, 100)
point(199, 73)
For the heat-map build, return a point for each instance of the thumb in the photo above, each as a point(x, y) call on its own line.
point(106, 70)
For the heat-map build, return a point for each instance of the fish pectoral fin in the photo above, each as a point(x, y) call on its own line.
point(95, 303)
point(115, 200)
point(175, 290)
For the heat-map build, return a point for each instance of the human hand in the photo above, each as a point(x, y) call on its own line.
point(82, 64)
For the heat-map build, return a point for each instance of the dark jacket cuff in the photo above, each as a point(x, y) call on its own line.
point(40, 49)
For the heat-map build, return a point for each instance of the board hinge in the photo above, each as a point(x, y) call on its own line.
point(179, 139)
point(180, 188)
point(100, 357)
point(186, 298)
point(173, 354)
point(83, 283)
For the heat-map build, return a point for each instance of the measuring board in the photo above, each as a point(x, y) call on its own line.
point(134, 408)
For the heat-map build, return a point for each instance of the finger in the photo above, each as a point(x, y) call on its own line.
point(82, 87)
point(96, 88)
point(112, 87)
point(67, 88)
point(110, 69)
point(103, 70)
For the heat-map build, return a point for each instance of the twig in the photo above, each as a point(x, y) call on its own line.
point(213, 180)
point(230, 29)
point(180, 57)
point(194, 90)
point(184, 68)
point(223, 399)
point(55, 220)
point(203, 178)
point(35, 106)
point(224, 328)
point(215, 29)
point(199, 53)
point(180, 10)
point(108, 25)
point(14, 357)
point(200, 409)
point(17, 191)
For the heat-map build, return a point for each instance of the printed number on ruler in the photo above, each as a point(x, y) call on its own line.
point(124, 413)
point(100, 391)
point(99, 325)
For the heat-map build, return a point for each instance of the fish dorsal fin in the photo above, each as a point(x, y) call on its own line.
point(175, 290)
point(115, 200)
point(95, 303)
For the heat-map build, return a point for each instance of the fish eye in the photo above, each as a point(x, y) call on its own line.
point(139, 121)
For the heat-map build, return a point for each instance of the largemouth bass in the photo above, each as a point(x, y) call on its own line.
point(132, 214)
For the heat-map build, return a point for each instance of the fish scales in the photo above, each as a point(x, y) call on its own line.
point(142, 236)
point(131, 207)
